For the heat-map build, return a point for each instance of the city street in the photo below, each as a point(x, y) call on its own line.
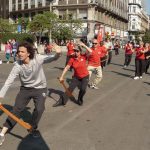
point(114, 117)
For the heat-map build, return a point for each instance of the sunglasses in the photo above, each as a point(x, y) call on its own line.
point(94, 43)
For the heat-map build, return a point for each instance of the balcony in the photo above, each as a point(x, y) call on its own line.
point(63, 2)
point(83, 2)
point(72, 2)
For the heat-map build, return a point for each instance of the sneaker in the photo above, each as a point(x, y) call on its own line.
point(124, 66)
point(2, 138)
point(95, 87)
point(141, 77)
point(136, 78)
point(35, 133)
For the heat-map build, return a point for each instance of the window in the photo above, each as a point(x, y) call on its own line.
point(134, 9)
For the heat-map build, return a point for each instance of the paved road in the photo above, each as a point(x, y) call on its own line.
point(115, 117)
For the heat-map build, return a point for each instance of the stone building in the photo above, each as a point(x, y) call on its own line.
point(138, 19)
point(107, 16)
point(4, 9)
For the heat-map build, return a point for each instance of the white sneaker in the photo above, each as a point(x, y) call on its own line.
point(136, 78)
point(140, 77)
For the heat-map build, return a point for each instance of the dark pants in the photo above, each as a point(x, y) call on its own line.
point(116, 51)
point(147, 64)
point(103, 61)
point(76, 82)
point(22, 99)
point(14, 55)
point(128, 58)
point(67, 60)
point(139, 67)
point(109, 57)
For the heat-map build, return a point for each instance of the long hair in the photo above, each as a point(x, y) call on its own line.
point(29, 48)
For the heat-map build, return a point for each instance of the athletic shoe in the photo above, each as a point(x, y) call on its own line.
point(2, 138)
point(136, 78)
point(95, 87)
point(141, 77)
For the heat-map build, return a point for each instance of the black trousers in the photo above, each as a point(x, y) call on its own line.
point(81, 84)
point(103, 61)
point(128, 58)
point(67, 60)
point(139, 67)
point(109, 57)
point(147, 61)
point(22, 99)
point(116, 51)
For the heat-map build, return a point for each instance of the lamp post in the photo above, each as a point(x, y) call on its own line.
point(50, 9)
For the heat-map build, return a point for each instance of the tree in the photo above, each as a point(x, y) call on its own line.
point(146, 37)
point(66, 28)
point(5, 26)
point(42, 22)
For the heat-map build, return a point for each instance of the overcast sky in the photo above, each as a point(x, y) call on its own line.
point(147, 3)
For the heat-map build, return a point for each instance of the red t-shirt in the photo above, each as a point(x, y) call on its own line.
point(94, 57)
point(128, 49)
point(70, 47)
point(79, 65)
point(103, 51)
point(140, 55)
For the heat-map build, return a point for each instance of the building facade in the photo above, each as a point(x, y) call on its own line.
point(138, 19)
point(4, 9)
point(108, 16)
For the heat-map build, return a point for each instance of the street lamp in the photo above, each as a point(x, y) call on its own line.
point(50, 9)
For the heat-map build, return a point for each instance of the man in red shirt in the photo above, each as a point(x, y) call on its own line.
point(94, 62)
point(70, 51)
point(128, 54)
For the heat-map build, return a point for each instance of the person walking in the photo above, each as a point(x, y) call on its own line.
point(116, 47)
point(104, 54)
point(33, 85)
point(128, 54)
point(8, 51)
point(147, 57)
point(70, 51)
point(139, 61)
point(14, 48)
point(108, 44)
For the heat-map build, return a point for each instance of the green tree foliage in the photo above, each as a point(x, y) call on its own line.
point(146, 37)
point(5, 26)
point(49, 22)
point(42, 22)
point(19, 37)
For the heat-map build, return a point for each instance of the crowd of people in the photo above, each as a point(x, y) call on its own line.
point(84, 59)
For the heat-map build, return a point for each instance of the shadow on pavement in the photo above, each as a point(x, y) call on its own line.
point(116, 64)
point(30, 143)
point(60, 68)
point(147, 83)
point(129, 69)
point(61, 97)
point(122, 74)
